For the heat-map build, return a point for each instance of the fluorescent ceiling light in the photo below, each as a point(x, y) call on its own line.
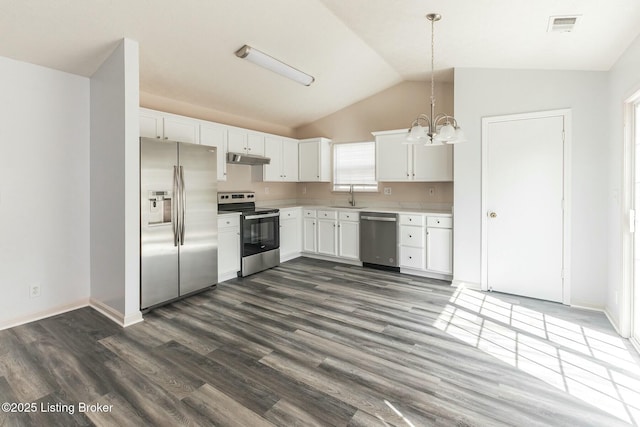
point(270, 63)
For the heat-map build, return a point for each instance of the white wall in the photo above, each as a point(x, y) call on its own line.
point(115, 212)
point(488, 92)
point(44, 191)
point(624, 81)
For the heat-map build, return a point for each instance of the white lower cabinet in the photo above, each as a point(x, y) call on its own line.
point(290, 238)
point(412, 241)
point(439, 245)
point(309, 226)
point(426, 244)
point(332, 233)
point(412, 257)
point(349, 235)
point(425, 241)
point(228, 246)
point(328, 232)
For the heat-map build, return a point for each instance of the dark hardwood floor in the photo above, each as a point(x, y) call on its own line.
point(316, 343)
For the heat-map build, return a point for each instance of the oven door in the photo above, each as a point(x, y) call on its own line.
point(260, 233)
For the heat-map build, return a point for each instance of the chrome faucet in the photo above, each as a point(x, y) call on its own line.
point(352, 199)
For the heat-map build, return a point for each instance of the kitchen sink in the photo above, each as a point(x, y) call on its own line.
point(348, 207)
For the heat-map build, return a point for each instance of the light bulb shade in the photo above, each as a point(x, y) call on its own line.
point(417, 134)
point(262, 59)
point(459, 137)
point(447, 132)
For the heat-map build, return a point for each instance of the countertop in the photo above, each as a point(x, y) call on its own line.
point(414, 211)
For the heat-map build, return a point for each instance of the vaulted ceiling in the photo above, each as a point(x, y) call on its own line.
point(353, 48)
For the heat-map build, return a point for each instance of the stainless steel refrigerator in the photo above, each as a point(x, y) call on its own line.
point(179, 228)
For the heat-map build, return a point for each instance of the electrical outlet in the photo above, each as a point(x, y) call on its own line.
point(34, 291)
point(266, 190)
point(432, 191)
point(387, 191)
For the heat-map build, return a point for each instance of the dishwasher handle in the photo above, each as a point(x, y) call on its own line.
point(379, 218)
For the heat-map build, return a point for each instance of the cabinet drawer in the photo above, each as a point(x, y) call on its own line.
point(412, 220)
point(412, 236)
point(348, 216)
point(309, 213)
point(439, 222)
point(327, 215)
point(226, 221)
point(412, 257)
point(289, 213)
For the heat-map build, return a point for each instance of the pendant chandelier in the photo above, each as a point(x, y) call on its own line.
point(434, 129)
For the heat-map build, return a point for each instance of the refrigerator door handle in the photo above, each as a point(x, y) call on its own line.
point(174, 206)
point(183, 205)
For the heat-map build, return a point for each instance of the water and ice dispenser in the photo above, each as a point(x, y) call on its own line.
point(159, 207)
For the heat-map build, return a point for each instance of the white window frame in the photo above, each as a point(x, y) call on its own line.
point(364, 187)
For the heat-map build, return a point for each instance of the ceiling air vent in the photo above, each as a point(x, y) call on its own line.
point(562, 24)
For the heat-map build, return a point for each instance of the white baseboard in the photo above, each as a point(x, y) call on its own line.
point(466, 284)
point(227, 276)
point(44, 314)
point(289, 257)
point(115, 315)
point(588, 307)
point(613, 323)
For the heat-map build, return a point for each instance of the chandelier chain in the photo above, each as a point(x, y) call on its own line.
point(432, 62)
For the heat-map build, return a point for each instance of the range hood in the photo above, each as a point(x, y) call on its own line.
point(247, 159)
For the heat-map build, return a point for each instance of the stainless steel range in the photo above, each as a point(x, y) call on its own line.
point(259, 230)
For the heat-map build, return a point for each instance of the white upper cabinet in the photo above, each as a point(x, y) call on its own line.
point(283, 153)
point(396, 161)
point(255, 143)
point(244, 141)
point(181, 129)
point(290, 159)
point(237, 140)
point(433, 163)
point(154, 124)
point(215, 135)
point(315, 160)
point(150, 124)
point(392, 161)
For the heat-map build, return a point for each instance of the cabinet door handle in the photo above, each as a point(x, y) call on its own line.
point(410, 236)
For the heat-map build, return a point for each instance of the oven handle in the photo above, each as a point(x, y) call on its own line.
point(271, 215)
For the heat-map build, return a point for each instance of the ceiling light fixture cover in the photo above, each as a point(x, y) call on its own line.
point(431, 129)
point(270, 63)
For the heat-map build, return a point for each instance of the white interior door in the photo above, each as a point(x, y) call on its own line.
point(635, 302)
point(524, 206)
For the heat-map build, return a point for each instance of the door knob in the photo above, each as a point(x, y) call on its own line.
point(492, 214)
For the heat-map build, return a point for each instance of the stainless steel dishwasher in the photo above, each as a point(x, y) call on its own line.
point(378, 240)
